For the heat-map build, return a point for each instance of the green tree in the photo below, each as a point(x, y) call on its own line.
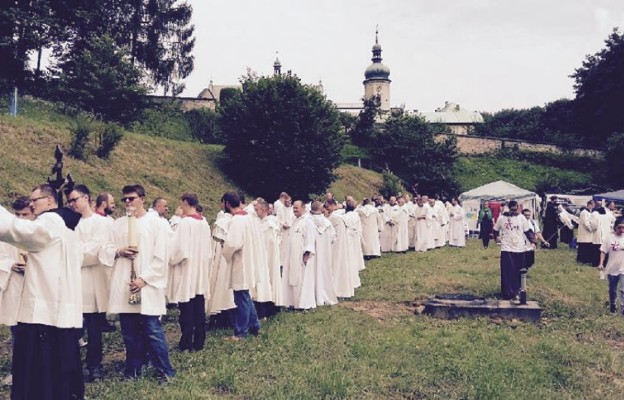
point(281, 135)
point(204, 126)
point(615, 160)
point(599, 88)
point(97, 77)
point(408, 146)
point(363, 130)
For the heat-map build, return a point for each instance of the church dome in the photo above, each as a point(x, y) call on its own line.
point(377, 71)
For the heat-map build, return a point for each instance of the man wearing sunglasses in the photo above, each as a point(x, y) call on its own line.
point(140, 324)
point(46, 358)
point(94, 231)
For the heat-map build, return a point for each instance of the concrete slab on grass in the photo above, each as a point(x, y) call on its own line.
point(458, 305)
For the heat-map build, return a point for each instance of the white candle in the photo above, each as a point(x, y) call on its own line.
point(133, 239)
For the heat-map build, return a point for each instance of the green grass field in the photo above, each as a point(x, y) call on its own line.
point(374, 346)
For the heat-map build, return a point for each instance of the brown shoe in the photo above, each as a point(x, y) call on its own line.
point(233, 339)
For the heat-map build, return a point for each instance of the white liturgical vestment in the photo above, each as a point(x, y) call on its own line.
point(190, 263)
point(52, 292)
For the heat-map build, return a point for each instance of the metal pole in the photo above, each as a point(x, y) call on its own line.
point(523, 286)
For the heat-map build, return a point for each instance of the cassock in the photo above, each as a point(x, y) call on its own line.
point(457, 232)
point(11, 284)
point(341, 276)
point(298, 278)
point(422, 215)
point(221, 296)
point(372, 224)
point(190, 263)
point(385, 236)
point(46, 357)
point(324, 285)
point(400, 235)
point(354, 246)
point(270, 230)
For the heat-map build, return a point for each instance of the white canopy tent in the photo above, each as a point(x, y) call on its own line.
point(499, 191)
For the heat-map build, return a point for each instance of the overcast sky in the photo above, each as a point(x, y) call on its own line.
point(485, 55)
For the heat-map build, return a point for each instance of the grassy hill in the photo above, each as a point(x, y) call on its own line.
point(168, 167)
point(165, 167)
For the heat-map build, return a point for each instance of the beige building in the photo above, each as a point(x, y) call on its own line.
point(458, 120)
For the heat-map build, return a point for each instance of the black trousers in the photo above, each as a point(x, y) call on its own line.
point(46, 363)
point(510, 265)
point(193, 323)
point(94, 322)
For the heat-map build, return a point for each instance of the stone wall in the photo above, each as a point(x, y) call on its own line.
point(482, 144)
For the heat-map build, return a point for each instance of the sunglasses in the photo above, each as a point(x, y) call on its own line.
point(75, 199)
point(129, 199)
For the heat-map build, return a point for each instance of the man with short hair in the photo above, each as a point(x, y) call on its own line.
point(372, 224)
point(422, 215)
point(510, 231)
point(105, 205)
point(298, 276)
point(189, 273)
point(586, 228)
point(93, 231)
point(270, 231)
point(160, 206)
point(323, 282)
point(140, 323)
point(46, 358)
point(354, 241)
point(343, 287)
point(400, 223)
point(12, 267)
point(238, 250)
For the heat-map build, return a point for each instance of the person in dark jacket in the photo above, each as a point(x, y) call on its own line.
point(485, 222)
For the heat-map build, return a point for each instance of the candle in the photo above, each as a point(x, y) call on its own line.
point(133, 240)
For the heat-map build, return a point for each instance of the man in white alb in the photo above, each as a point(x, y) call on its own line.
point(94, 231)
point(46, 357)
point(189, 273)
point(140, 323)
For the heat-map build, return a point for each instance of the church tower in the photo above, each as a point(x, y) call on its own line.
point(277, 66)
point(377, 81)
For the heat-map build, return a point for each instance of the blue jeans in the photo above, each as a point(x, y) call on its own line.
point(141, 334)
point(246, 318)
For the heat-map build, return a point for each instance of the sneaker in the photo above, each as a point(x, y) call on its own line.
point(613, 309)
point(515, 301)
point(82, 342)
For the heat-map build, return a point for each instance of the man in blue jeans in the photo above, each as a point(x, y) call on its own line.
point(140, 243)
point(240, 250)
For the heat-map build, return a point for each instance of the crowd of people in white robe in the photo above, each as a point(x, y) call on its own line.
point(290, 254)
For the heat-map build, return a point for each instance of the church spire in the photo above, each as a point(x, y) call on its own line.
point(376, 47)
point(277, 65)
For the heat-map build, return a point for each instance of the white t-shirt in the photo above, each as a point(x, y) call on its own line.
point(512, 232)
point(614, 247)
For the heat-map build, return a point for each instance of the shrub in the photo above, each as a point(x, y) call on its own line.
point(110, 137)
point(391, 185)
point(80, 131)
